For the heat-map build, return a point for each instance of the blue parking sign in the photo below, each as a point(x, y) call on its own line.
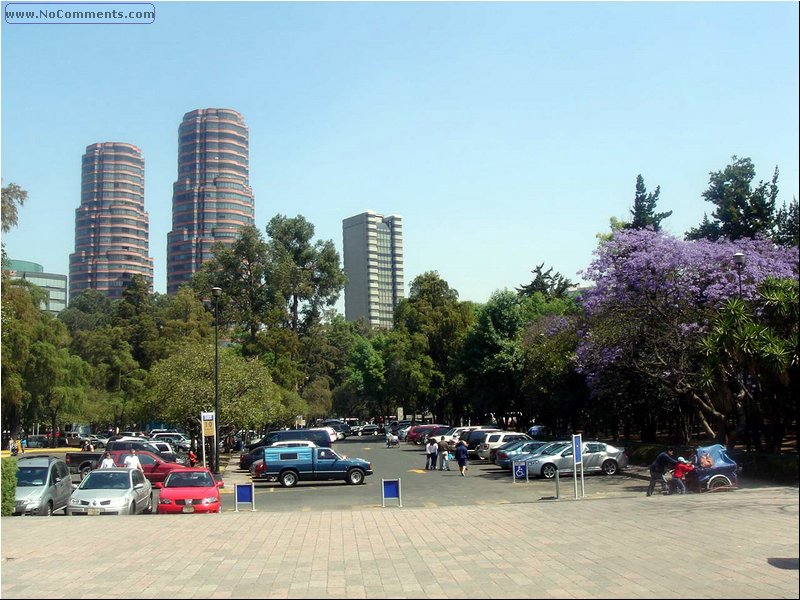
point(577, 445)
point(520, 470)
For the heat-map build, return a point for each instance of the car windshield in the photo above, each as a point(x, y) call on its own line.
point(31, 476)
point(192, 479)
point(104, 480)
point(554, 449)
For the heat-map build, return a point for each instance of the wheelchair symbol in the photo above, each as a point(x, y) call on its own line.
point(519, 471)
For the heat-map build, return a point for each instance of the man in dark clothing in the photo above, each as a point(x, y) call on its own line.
point(661, 464)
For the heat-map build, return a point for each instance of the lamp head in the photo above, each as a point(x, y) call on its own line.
point(739, 260)
point(215, 291)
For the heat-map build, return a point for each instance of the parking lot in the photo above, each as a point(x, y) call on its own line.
point(484, 484)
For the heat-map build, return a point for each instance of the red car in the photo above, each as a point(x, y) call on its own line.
point(419, 433)
point(189, 491)
point(155, 469)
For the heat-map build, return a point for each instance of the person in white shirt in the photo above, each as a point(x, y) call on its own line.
point(107, 462)
point(431, 449)
point(132, 461)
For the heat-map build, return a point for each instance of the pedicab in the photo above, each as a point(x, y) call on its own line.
point(713, 470)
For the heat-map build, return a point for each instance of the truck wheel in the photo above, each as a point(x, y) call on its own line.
point(288, 479)
point(84, 472)
point(355, 476)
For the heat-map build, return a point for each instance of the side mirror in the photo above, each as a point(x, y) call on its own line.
point(138, 486)
point(74, 486)
point(158, 485)
point(220, 484)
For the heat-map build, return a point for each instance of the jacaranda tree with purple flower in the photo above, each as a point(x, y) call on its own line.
point(653, 300)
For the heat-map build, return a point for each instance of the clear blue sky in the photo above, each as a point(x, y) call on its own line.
point(505, 134)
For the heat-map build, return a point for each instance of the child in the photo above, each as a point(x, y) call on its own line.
point(679, 473)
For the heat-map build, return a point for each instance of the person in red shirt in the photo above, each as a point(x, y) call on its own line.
point(681, 469)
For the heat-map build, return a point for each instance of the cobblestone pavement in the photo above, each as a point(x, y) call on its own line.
point(732, 544)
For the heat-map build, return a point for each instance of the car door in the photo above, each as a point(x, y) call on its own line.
point(325, 467)
point(141, 490)
point(63, 486)
point(593, 455)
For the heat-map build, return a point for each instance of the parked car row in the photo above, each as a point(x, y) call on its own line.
point(44, 486)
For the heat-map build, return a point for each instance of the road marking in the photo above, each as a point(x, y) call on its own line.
point(420, 471)
point(430, 505)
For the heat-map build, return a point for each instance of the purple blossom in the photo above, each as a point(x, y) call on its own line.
point(648, 279)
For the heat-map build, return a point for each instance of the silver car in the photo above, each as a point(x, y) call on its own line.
point(117, 491)
point(43, 485)
point(595, 456)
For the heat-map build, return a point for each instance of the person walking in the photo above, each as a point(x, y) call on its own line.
point(461, 456)
point(430, 448)
point(661, 464)
point(107, 462)
point(443, 451)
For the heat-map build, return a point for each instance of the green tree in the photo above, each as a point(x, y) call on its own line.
point(644, 212)
point(182, 386)
point(433, 311)
point(13, 196)
point(753, 351)
point(555, 393)
point(308, 277)
point(787, 225)
point(241, 271)
point(741, 210)
point(56, 380)
point(136, 313)
point(551, 285)
point(87, 311)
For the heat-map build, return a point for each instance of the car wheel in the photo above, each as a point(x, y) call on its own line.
point(149, 508)
point(47, 511)
point(718, 481)
point(549, 471)
point(288, 479)
point(132, 509)
point(84, 472)
point(355, 477)
point(610, 467)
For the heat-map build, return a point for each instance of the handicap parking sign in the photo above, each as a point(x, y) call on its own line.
point(520, 470)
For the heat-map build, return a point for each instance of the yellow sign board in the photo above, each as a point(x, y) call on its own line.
point(208, 424)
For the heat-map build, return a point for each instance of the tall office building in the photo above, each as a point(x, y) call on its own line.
point(53, 284)
point(373, 263)
point(211, 199)
point(111, 225)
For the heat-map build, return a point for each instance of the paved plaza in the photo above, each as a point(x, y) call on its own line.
point(733, 544)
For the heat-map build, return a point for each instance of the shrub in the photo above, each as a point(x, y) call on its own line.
point(8, 485)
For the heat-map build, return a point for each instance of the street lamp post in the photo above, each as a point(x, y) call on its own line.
point(739, 260)
point(215, 291)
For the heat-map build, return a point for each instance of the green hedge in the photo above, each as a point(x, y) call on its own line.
point(8, 485)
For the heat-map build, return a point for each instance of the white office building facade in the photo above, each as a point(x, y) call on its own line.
point(373, 263)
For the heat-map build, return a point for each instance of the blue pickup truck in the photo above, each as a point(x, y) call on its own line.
point(292, 465)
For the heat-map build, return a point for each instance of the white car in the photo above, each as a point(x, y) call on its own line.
point(494, 439)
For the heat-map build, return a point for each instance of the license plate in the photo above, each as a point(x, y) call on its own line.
point(188, 509)
point(93, 511)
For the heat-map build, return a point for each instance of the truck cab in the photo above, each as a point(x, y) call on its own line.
point(292, 465)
